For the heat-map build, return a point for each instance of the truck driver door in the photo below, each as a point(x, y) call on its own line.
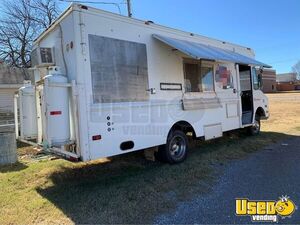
point(246, 94)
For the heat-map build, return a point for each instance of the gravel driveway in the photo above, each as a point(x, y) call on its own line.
point(266, 175)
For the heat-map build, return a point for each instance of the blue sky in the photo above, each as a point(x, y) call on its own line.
point(270, 27)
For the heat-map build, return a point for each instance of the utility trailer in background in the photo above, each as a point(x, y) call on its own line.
point(106, 84)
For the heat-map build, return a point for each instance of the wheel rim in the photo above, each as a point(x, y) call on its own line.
point(177, 147)
point(256, 126)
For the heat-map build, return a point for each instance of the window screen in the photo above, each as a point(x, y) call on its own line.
point(245, 78)
point(119, 70)
point(192, 77)
point(198, 78)
point(207, 78)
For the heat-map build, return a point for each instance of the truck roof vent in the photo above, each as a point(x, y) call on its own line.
point(84, 7)
point(148, 22)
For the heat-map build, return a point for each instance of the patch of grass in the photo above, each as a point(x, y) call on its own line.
point(126, 189)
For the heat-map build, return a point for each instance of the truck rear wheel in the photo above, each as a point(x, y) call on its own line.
point(175, 150)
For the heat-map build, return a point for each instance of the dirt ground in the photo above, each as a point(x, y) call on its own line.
point(129, 189)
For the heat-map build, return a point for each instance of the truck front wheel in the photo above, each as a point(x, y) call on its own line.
point(255, 128)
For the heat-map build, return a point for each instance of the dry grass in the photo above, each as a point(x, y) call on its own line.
point(127, 189)
point(285, 113)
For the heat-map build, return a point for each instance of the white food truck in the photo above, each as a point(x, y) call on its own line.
point(106, 84)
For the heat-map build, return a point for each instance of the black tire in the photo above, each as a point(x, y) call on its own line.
point(175, 150)
point(255, 129)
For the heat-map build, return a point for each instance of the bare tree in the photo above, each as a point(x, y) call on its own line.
point(296, 69)
point(21, 23)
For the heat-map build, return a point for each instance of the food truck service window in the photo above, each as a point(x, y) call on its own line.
point(224, 78)
point(198, 77)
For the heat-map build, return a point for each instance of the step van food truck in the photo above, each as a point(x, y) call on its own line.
point(106, 84)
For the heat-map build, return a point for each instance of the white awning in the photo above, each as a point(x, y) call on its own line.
point(201, 51)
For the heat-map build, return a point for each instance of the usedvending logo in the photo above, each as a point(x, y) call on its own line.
point(265, 211)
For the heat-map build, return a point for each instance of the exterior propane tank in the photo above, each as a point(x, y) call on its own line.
point(56, 100)
point(28, 116)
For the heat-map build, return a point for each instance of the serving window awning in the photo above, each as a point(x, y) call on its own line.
point(201, 51)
